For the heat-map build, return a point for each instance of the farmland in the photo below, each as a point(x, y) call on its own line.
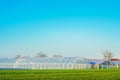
point(88, 74)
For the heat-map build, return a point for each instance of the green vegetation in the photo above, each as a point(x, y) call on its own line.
point(90, 74)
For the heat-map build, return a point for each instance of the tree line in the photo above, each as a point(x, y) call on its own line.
point(107, 55)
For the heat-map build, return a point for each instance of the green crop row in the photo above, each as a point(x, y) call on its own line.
point(89, 74)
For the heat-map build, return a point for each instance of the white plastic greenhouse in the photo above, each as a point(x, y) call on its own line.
point(45, 63)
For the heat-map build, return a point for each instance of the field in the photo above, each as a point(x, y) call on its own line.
point(90, 74)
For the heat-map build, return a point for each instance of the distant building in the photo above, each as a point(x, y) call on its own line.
point(100, 63)
point(115, 62)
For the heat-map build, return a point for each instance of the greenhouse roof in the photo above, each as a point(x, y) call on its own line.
point(7, 60)
point(45, 60)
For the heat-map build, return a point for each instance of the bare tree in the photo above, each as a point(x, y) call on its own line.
point(41, 55)
point(107, 55)
point(18, 56)
point(57, 56)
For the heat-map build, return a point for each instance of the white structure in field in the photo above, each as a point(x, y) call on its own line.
point(45, 63)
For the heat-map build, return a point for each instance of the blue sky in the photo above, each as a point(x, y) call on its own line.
point(67, 27)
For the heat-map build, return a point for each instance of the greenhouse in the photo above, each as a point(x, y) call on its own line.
point(45, 63)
